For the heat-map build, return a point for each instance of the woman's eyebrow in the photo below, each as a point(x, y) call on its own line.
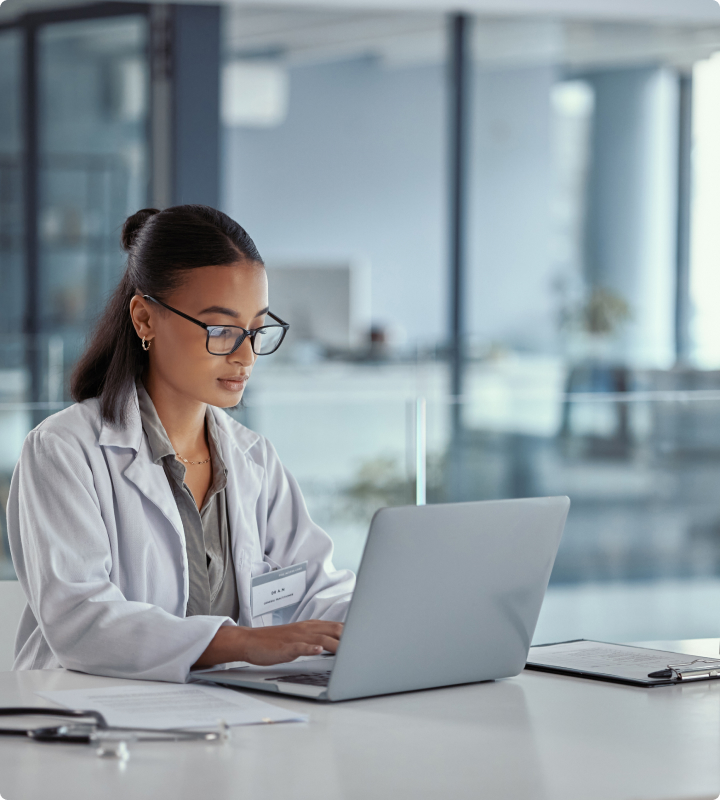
point(219, 310)
point(229, 311)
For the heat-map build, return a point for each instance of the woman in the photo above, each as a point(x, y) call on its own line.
point(139, 516)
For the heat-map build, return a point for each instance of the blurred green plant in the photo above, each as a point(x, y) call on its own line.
point(382, 481)
point(602, 313)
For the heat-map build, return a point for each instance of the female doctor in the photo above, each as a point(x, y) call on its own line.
point(139, 516)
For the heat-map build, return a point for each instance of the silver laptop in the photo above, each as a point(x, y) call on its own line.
point(445, 594)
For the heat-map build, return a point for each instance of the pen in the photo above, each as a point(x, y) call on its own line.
point(662, 673)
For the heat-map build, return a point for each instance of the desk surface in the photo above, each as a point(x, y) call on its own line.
point(535, 736)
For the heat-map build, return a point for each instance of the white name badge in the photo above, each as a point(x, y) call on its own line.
point(278, 589)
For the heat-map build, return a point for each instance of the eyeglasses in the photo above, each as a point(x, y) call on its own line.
point(225, 339)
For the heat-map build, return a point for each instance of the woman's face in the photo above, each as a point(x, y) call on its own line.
point(236, 294)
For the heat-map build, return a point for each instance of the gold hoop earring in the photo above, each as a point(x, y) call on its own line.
point(145, 345)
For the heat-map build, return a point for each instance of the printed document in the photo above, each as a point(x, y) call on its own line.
point(600, 658)
point(172, 706)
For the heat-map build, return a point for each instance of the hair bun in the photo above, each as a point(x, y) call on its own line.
point(133, 224)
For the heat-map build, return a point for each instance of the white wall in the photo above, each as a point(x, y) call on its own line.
point(632, 206)
point(656, 10)
point(510, 282)
point(358, 169)
point(705, 242)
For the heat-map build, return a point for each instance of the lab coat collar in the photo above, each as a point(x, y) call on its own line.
point(238, 436)
point(131, 434)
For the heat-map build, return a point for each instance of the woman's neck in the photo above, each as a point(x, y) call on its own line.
point(182, 417)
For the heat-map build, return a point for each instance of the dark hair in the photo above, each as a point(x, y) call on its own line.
point(161, 246)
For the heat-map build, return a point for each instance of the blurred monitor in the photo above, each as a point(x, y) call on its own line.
point(327, 303)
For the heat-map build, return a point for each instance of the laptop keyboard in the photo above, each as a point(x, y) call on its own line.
point(308, 678)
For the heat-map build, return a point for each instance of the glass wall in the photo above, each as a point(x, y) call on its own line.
point(93, 87)
point(335, 159)
point(13, 425)
point(336, 154)
point(705, 244)
point(640, 556)
point(93, 123)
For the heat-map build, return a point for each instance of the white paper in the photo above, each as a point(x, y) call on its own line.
point(624, 661)
point(172, 706)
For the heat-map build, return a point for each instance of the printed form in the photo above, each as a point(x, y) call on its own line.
point(617, 660)
point(172, 706)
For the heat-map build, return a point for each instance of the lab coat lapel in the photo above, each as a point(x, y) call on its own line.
point(149, 478)
point(245, 481)
point(151, 481)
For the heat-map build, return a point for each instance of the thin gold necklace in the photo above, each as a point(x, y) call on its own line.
point(185, 461)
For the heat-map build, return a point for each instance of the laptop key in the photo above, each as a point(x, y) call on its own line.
point(308, 678)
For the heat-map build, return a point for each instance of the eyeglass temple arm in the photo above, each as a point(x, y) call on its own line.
point(175, 311)
point(277, 319)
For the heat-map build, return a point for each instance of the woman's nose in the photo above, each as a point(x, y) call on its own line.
point(244, 354)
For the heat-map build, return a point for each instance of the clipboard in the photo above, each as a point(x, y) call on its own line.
point(621, 663)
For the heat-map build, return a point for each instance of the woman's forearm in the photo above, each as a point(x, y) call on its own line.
point(276, 644)
point(226, 645)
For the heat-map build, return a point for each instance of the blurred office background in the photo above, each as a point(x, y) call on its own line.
point(496, 236)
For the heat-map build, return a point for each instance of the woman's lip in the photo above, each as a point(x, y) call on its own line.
point(234, 384)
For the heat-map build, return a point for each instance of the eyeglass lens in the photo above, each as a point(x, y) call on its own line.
point(222, 340)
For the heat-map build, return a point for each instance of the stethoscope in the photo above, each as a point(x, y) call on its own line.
point(90, 727)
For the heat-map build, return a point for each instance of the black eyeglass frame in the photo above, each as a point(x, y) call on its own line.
point(240, 339)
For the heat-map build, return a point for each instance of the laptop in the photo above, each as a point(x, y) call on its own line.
point(446, 594)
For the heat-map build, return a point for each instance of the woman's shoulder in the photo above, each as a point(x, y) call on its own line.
point(80, 421)
point(68, 437)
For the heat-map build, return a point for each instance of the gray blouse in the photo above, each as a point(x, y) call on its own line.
point(213, 588)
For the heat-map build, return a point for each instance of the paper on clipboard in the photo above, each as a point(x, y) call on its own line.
point(605, 661)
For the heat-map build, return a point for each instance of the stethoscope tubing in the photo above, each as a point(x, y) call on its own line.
point(55, 734)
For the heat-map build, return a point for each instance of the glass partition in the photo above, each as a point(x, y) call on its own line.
point(640, 558)
point(93, 123)
point(335, 158)
point(350, 456)
point(12, 277)
point(93, 92)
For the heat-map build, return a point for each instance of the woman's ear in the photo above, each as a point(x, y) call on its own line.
point(141, 316)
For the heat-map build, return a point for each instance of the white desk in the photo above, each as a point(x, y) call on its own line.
point(535, 736)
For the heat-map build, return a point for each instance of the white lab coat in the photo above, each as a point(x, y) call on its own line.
point(99, 549)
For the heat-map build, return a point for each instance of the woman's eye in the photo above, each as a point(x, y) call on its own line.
point(220, 332)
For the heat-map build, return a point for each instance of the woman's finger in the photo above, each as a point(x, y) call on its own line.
point(333, 629)
point(297, 649)
point(330, 643)
point(327, 642)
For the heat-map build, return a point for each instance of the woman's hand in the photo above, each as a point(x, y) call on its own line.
point(275, 644)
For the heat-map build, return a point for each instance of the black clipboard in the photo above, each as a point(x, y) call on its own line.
point(688, 668)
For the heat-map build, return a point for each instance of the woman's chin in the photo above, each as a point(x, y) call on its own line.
point(225, 399)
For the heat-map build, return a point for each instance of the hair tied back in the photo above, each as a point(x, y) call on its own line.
point(160, 253)
point(133, 224)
